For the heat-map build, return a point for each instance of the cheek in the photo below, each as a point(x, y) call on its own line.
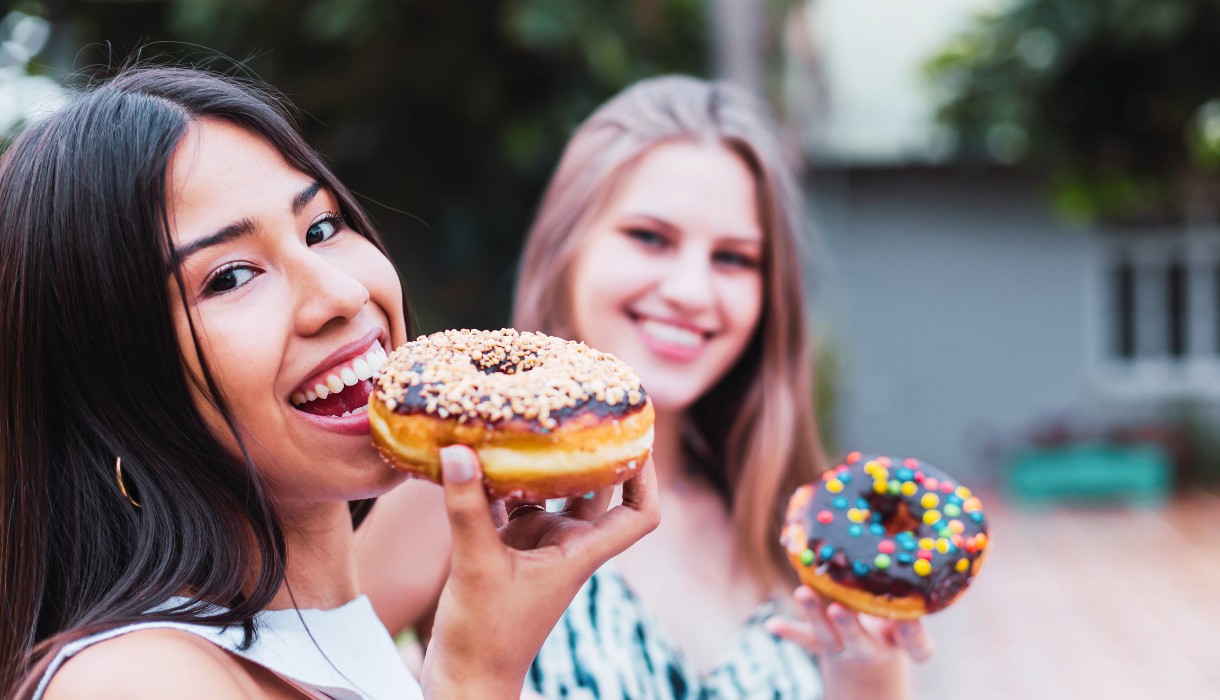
point(742, 303)
point(378, 275)
point(242, 340)
point(591, 293)
point(608, 274)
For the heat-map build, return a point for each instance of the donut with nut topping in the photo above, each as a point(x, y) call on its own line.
point(548, 417)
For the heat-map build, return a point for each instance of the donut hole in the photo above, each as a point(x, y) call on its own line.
point(499, 362)
point(896, 515)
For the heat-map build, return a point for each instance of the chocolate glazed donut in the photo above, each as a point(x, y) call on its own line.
point(896, 540)
point(548, 417)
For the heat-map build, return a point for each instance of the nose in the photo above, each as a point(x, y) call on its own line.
point(324, 293)
point(687, 284)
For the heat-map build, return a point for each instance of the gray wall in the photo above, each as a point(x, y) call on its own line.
point(958, 307)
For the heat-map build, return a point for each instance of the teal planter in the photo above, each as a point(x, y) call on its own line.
point(1093, 473)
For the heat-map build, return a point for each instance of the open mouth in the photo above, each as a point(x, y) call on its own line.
point(342, 390)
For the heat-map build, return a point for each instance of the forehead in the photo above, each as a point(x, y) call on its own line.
point(694, 184)
point(220, 173)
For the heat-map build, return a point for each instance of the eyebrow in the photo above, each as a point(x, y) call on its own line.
point(306, 196)
point(245, 226)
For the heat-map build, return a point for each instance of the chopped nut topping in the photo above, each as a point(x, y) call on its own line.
point(500, 375)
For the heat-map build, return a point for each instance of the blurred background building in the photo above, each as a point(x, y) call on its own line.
point(1020, 204)
point(1016, 256)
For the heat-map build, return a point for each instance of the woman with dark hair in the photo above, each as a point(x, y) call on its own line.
point(192, 307)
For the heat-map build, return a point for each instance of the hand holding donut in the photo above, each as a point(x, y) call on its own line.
point(501, 601)
point(897, 539)
point(861, 656)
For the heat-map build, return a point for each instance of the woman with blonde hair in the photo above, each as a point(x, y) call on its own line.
point(670, 237)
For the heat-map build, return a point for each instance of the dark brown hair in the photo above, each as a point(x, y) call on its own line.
point(90, 370)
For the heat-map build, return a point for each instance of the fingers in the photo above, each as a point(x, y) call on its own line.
point(857, 643)
point(499, 514)
point(474, 532)
point(834, 630)
point(913, 637)
point(824, 632)
point(638, 515)
point(799, 632)
point(590, 505)
point(524, 509)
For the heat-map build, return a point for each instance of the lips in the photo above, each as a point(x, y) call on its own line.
point(672, 334)
point(670, 340)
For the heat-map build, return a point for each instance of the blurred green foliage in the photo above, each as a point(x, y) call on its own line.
point(449, 114)
point(1114, 97)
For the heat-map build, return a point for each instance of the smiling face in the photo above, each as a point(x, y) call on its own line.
point(669, 276)
point(293, 310)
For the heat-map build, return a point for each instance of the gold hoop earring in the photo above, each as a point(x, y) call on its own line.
point(118, 479)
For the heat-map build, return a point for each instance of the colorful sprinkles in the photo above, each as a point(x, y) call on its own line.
point(903, 519)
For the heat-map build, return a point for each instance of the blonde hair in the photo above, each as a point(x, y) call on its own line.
point(754, 433)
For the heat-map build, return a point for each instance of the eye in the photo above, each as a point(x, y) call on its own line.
point(324, 229)
point(228, 278)
point(646, 237)
point(729, 258)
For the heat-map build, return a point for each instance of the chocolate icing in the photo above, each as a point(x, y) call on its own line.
point(415, 400)
point(853, 562)
point(507, 379)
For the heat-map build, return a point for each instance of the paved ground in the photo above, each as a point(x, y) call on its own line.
point(1077, 602)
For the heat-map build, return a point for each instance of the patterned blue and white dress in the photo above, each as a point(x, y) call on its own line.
point(608, 645)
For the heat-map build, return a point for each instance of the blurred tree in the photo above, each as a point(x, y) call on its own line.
point(1117, 98)
point(451, 115)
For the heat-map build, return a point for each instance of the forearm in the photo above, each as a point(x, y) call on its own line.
point(459, 671)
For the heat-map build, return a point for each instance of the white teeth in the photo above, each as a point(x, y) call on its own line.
point(362, 409)
point(361, 369)
point(672, 334)
point(346, 414)
point(335, 383)
point(375, 358)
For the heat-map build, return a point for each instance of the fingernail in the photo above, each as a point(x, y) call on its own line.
point(456, 464)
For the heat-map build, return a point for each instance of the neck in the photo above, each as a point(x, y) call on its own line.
point(667, 455)
point(321, 565)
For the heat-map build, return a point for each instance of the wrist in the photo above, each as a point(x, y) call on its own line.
point(453, 676)
point(439, 688)
point(886, 678)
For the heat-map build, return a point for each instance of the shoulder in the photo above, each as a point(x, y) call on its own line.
point(151, 663)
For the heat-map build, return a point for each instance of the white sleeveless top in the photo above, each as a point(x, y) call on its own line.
point(349, 657)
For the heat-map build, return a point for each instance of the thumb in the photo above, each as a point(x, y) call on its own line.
point(466, 501)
